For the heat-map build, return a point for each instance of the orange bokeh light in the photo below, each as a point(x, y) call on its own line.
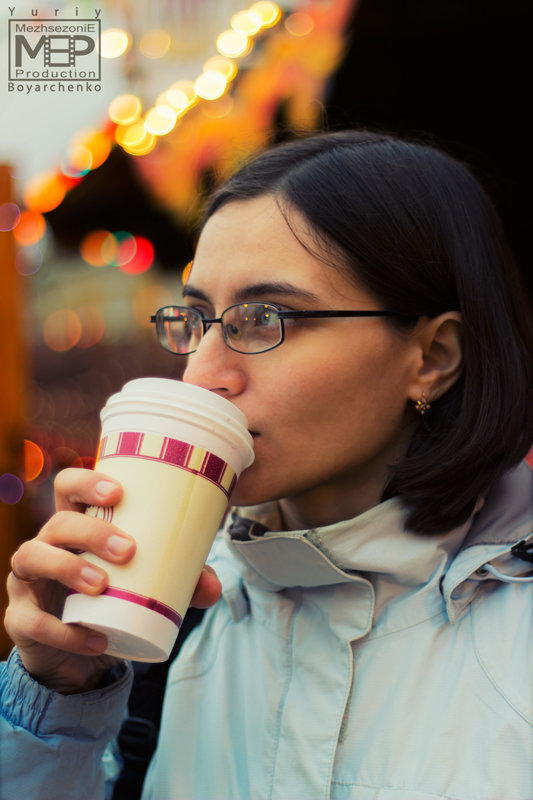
point(92, 326)
point(33, 460)
point(91, 248)
point(62, 330)
point(186, 272)
point(45, 192)
point(30, 229)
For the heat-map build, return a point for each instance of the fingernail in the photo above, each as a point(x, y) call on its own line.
point(91, 576)
point(104, 488)
point(97, 643)
point(118, 545)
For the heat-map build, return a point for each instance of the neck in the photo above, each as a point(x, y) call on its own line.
point(328, 504)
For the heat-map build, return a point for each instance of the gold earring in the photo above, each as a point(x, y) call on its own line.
point(422, 405)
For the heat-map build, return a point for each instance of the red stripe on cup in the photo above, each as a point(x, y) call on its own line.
point(176, 452)
point(168, 451)
point(147, 602)
point(129, 444)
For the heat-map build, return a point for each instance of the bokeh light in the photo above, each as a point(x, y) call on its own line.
point(62, 330)
point(33, 460)
point(125, 109)
point(142, 259)
point(92, 326)
point(247, 22)
point(91, 248)
point(210, 85)
point(11, 488)
point(270, 13)
point(9, 216)
point(147, 301)
point(186, 272)
point(130, 135)
point(217, 109)
point(126, 248)
point(225, 66)
point(135, 139)
point(233, 44)
point(77, 161)
point(114, 43)
point(30, 229)
point(160, 120)
point(110, 249)
point(155, 43)
point(29, 260)
point(181, 96)
point(44, 192)
point(299, 24)
point(97, 143)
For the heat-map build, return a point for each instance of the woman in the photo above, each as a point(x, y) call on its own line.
point(372, 636)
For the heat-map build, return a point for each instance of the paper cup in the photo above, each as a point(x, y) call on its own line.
point(177, 450)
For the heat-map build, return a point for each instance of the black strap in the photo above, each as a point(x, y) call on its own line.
point(138, 735)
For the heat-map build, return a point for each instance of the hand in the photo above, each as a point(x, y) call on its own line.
point(64, 657)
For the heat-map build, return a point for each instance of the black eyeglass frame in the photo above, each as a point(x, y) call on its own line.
point(206, 323)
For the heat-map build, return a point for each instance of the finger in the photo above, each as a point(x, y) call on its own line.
point(41, 560)
point(77, 488)
point(208, 589)
point(50, 554)
point(33, 625)
point(75, 531)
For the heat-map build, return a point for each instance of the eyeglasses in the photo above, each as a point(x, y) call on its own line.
point(246, 327)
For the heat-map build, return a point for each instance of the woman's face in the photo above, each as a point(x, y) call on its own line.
point(328, 407)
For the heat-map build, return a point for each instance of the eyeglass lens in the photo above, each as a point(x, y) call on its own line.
point(246, 327)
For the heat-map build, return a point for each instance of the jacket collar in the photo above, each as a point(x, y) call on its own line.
point(376, 547)
point(498, 544)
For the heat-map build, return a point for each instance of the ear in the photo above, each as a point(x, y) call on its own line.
point(441, 356)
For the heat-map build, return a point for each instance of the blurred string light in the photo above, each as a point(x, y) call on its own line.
point(92, 326)
point(155, 43)
point(137, 134)
point(62, 330)
point(33, 460)
point(30, 229)
point(9, 216)
point(65, 328)
point(131, 254)
point(29, 260)
point(11, 488)
point(299, 24)
point(114, 42)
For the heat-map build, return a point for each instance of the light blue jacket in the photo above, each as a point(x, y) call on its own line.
point(352, 662)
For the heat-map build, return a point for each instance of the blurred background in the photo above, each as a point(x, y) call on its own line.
point(101, 189)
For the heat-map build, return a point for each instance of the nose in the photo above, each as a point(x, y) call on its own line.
point(215, 367)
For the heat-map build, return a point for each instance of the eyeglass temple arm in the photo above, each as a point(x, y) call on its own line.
point(318, 314)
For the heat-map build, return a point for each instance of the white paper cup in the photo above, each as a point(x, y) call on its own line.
point(177, 450)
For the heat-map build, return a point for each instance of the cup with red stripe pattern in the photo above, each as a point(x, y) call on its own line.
point(178, 451)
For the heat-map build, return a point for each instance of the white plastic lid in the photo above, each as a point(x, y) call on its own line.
point(170, 407)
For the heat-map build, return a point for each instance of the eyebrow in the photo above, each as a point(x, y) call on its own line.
point(258, 291)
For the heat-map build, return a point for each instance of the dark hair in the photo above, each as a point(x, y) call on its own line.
point(417, 230)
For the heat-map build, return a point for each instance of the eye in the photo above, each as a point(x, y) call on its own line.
point(264, 316)
point(233, 331)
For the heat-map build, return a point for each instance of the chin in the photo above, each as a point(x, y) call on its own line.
point(249, 491)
